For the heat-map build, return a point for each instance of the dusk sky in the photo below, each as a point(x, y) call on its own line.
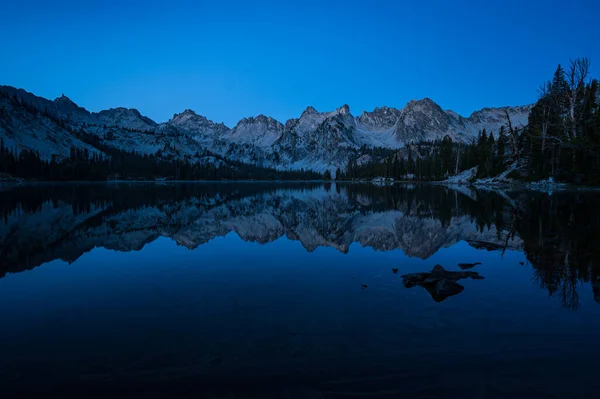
point(231, 59)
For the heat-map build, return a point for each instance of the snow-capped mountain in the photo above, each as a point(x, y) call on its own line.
point(261, 131)
point(124, 117)
point(315, 140)
point(196, 126)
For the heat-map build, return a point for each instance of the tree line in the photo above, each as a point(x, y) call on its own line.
point(115, 164)
point(109, 163)
point(561, 140)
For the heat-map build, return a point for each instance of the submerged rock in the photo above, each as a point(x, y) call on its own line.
point(490, 246)
point(448, 288)
point(440, 283)
point(465, 266)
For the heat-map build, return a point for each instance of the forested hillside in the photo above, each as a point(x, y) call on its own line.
point(561, 140)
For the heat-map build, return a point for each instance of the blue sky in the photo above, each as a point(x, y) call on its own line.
point(231, 59)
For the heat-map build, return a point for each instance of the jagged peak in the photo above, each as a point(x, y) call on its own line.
point(64, 99)
point(424, 105)
point(290, 123)
point(310, 110)
point(121, 110)
point(258, 119)
point(191, 115)
point(424, 101)
point(188, 113)
point(381, 110)
point(344, 109)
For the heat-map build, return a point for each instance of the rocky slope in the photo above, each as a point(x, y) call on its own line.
point(315, 140)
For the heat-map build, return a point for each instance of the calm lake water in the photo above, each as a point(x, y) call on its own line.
point(290, 290)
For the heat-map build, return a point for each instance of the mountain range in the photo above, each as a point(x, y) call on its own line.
point(316, 140)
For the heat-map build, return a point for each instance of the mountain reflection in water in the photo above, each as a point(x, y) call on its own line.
point(41, 224)
point(297, 290)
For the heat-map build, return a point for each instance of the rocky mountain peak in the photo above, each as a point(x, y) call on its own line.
point(63, 99)
point(422, 120)
point(252, 119)
point(384, 110)
point(64, 104)
point(129, 118)
point(256, 134)
point(344, 110)
point(425, 107)
point(423, 104)
point(187, 116)
point(186, 113)
point(381, 118)
point(121, 111)
point(189, 124)
point(260, 120)
point(309, 110)
point(315, 140)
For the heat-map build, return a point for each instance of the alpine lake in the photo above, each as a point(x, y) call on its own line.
point(298, 290)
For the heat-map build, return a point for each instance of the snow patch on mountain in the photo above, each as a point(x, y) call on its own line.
point(316, 140)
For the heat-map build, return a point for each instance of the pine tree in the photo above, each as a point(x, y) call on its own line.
point(500, 149)
point(446, 156)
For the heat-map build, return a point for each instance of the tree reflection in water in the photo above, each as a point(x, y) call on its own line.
point(556, 232)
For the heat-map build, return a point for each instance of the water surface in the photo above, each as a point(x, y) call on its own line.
point(296, 290)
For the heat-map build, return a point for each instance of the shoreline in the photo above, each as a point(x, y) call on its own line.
point(533, 186)
point(542, 186)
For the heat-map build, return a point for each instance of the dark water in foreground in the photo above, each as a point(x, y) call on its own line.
point(297, 291)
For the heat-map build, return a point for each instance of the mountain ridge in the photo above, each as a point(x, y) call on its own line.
point(315, 140)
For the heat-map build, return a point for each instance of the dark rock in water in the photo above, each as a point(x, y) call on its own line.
point(440, 283)
point(465, 266)
point(439, 273)
point(448, 288)
point(489, 246)
point(410, 280)
point(438, 269)
point(395, 270)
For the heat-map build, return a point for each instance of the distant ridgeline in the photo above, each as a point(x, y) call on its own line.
point(99, 161)
point(92, 158)
point(55, 139)
point(557, 137)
